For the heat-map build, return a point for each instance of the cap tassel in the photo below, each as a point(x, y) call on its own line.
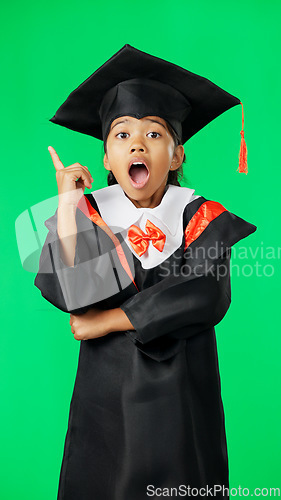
point(243, 167)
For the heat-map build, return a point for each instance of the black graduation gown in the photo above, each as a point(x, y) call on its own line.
point(146, 410)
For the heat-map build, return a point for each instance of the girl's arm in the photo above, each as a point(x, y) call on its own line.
point(189, 301)
point(96, 278)
point(67, 233)
point(181, 306)
point(76, 266)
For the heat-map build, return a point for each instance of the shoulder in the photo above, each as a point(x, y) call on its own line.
point(100, 197)
point(181, 195)
point(211, 222)
point(103, 193)
point(200, 207)
point(189, 200)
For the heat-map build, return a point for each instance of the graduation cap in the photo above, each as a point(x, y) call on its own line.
point(135, 83)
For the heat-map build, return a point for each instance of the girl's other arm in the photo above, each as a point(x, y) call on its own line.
point(59, 250)
point(97, 323)
point(188, 302)
point(67, 232)
point(71, 183)
point(181, 306)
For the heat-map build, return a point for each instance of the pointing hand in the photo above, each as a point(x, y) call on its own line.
point(71, 180)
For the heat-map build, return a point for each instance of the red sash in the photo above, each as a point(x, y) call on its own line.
point(207, 212)
point(201, 219)
point(85, 206)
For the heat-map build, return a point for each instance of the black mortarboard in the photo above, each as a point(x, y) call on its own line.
point(138, 84)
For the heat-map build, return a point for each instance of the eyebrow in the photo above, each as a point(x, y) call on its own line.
point(149, 119)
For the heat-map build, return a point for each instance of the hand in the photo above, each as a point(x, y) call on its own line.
point(96, 323)
point(70, 190)
point(91, 325)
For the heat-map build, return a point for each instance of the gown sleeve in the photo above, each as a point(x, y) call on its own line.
point(197, 296)
point(97, 278)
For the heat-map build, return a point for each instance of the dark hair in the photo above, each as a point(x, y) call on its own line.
point(174, 176)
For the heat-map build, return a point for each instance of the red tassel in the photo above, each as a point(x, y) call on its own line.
point(243, 167)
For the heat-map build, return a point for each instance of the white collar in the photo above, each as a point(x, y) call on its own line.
point(118, 210)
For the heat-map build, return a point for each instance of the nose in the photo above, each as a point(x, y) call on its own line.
point(138, 144)
point(137, 148)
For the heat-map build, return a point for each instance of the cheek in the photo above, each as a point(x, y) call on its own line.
point(111, 154)
point(114, 149)
point(165, 155)
point(171, 150)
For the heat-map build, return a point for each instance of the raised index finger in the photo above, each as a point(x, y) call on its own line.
point(55, 157)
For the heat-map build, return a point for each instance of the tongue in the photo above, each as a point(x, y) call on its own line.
point(138, 174)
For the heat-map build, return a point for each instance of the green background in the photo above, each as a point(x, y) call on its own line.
point(47, 50)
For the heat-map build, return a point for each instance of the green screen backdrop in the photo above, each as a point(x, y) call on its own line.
point(47, 50)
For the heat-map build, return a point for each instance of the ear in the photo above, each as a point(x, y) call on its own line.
point(178, 157)
point(106, 162)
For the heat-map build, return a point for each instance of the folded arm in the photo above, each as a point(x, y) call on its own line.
point(181, 306)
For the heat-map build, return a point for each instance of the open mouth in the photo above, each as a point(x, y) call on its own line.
point(139, 174)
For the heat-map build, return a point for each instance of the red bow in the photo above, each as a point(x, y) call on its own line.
point(139, 240)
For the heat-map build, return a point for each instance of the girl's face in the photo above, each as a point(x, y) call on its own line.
point(146, 140)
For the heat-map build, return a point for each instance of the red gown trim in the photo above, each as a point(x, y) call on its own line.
point(201, 219)
point(92, 214)
point(197, 224)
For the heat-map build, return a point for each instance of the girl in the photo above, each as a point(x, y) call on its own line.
point(143, 268)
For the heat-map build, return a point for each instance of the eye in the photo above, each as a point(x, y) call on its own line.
point(126, 133)
point(121, 133)
point(155, 133)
